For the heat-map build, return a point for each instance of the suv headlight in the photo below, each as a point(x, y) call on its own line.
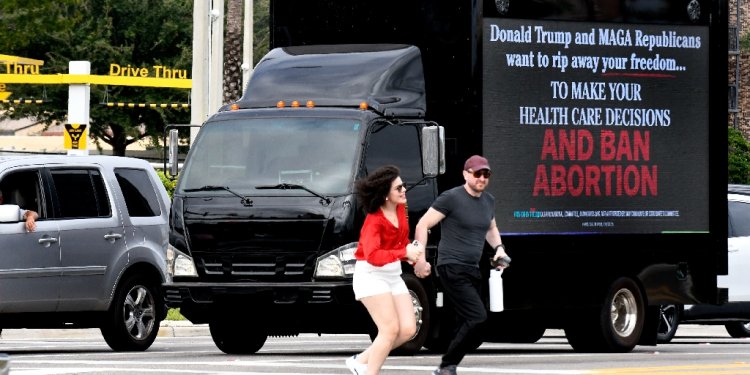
point(338, 263)
point(179, 263)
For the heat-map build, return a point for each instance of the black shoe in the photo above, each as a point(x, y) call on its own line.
point(447, 370)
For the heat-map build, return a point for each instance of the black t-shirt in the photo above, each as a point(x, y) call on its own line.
point(463, 231)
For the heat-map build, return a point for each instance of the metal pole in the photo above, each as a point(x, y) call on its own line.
point(247, 44)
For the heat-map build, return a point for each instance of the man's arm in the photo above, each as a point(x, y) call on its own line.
point(30, 218)
point(493, 238)
point(431, 218)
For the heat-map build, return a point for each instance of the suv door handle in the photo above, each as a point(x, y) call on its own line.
point(112, 237)
point(47, 241)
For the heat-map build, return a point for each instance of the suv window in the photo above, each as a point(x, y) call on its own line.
point(140, 197)
point(23, 189)
point(739, 219)
point(80, 193)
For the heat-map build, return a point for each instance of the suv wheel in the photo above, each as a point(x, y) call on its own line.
point(133, 320)
point(669, 320)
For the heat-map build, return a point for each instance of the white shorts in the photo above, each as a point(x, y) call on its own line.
point(371, 280)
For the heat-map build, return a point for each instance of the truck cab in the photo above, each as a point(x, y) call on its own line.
point(265, 220)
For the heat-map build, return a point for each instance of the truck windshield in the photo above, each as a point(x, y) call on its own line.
point(317, 153)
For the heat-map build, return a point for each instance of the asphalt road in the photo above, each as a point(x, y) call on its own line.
point(187, 349)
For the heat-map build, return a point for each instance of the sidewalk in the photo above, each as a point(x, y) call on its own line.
point(168, 328)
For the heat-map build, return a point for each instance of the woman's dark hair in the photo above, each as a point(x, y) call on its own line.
point(373, 189)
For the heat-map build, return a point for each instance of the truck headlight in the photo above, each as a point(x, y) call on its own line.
point(179, 263)
point(337, 263)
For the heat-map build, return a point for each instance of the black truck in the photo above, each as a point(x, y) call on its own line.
point(604, 121)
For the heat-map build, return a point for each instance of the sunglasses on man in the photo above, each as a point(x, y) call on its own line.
point(486, 173)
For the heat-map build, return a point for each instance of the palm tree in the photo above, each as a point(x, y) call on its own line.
point(233, 52)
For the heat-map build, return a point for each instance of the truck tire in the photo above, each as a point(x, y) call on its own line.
point(738, 329)
point(616, 326)
point(421, 313)
point(236, 337)
point(133, 319)
point(669, 320)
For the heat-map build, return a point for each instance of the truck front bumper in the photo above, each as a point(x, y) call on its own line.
point(314, 307)
point(335, 292)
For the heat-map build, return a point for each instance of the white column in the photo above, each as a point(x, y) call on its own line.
point(216, 60)
point(199, 91)
point(77, 127)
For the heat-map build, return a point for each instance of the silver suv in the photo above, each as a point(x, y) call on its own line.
point(97, 255)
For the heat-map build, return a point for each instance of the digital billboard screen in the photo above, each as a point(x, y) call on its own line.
point(596, 127)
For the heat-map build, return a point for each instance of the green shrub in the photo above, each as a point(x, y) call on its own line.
point(174, 314)
point(168, 183)
point(739, 158)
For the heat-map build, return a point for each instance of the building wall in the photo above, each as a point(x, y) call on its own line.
point(743, 116)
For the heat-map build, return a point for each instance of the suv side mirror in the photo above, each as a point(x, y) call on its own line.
point(433, 150)
point(10, 213)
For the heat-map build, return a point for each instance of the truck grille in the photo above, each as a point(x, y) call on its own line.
point(261, 268)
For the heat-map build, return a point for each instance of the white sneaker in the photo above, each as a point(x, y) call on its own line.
point(355, 366)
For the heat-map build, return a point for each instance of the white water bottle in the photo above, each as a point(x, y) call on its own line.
point(496, 290)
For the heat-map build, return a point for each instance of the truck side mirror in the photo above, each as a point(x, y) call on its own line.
point(433, 150)
point(173, 159)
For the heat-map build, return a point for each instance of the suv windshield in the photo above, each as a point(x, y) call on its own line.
point(317, 153)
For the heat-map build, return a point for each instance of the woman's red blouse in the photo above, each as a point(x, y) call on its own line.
point(380, 242)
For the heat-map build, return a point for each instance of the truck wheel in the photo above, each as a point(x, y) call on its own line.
point(669, 320)
point(738, 329)
point(615, 327)
point(421, 313)
point(237, 338)
point(133, 319)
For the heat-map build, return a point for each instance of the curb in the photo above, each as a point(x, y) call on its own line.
point(168, 328)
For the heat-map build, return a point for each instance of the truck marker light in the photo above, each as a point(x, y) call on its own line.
point(280, 104)
point(295, 104)
point(310, 104)
point(234, 107)
point(363, 106)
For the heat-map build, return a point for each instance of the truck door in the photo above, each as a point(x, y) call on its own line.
point(92, 237)
point(400, 145)
point(29, 262)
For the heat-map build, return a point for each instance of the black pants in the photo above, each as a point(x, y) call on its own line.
point(462, 285)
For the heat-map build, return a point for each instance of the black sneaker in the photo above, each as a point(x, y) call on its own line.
point(447, 370)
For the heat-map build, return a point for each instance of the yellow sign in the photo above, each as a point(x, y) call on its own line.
point(158, 71)
point(20, 60)
point(82, 79)
point(4, 94)
point(75, 136)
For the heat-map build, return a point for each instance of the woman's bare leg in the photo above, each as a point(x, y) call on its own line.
point(382, 309)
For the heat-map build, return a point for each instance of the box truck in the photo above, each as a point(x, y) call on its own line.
point(604, 122)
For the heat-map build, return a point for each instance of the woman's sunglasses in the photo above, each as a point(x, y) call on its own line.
point(482, 173)
point(400, 188)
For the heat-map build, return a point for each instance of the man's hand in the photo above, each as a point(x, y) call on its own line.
point(422, 269)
